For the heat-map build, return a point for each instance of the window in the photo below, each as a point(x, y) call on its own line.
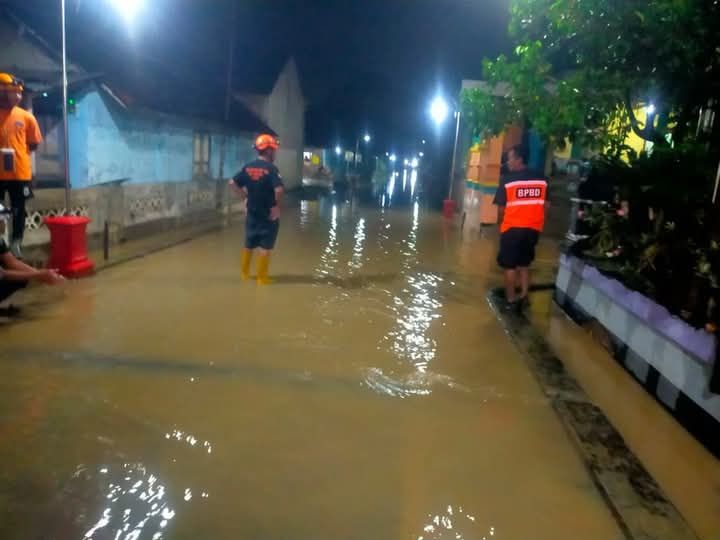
point(201, 155)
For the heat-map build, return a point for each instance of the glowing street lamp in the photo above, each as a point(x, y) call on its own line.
point(367, 139)
point(414, 163)
point(439, 111)
point(128, 9)
point(338, 150)
point(421, 154)
point(393, 158)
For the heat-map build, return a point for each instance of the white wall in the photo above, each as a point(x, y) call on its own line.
point(286, 116)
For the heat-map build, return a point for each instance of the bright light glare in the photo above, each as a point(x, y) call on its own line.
point(421, 154)
point(366, 138)
point(650, 109)
point(423, 141)
point(439, 110)
point(393, 158)
point(407, 163)
point(414, 164)
point(127, 8)
point(338, 150)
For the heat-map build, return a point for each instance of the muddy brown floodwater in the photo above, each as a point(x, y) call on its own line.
point(369, 394)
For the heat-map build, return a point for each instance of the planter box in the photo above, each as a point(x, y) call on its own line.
point(671, 359)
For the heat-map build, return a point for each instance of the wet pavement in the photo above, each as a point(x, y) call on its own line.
point(369, 393)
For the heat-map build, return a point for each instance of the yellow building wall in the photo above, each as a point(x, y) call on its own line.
point(638, 144)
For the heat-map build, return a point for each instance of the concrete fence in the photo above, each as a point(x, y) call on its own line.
point(131, 210)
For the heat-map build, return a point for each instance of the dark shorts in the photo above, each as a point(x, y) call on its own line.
point(261, 233)
point(517, 248)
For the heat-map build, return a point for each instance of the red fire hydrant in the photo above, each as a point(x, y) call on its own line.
point(68, 246)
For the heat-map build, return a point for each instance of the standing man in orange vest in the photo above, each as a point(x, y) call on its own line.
point(522, 201)
point(19, 137)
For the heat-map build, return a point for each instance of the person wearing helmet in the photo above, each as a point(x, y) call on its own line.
point(260, 183)
point(15, 274)
point(19, 137)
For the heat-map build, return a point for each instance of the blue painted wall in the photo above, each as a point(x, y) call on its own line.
point(109, 143)
point(238, 151)
point(536, 151)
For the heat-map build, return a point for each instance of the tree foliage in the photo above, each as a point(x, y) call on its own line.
point(581, 68)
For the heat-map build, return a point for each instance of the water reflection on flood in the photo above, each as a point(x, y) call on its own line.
point(416, 306)
point(457, 524)
point(329, 259)
point(137, 505)
point(356, 263)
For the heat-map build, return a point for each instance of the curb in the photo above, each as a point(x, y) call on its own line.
point(641, 509)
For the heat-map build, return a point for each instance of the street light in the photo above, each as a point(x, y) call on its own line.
point(439, 111)
point(127, 8)
point(338, 150)
point(393, 158)
point(367, 139)
point(414, 163)
point(421, 154)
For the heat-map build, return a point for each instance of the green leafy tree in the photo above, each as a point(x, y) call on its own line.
point(582, 68)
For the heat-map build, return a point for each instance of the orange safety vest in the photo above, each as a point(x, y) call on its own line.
point(525, 206)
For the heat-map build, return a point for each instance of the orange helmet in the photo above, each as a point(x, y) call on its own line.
point(265, 141)
point(8, 81)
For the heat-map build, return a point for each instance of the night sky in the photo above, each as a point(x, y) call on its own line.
point(365, 64)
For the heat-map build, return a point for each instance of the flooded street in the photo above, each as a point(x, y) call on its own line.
point(369, 393)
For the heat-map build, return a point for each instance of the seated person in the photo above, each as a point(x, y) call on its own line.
point(15, 274)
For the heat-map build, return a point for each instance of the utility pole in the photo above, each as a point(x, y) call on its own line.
point(66, 131)
point(226, 112)
point(228, 83)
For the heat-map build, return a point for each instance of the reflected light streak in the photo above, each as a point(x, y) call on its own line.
point(413, 182)
point(391, 186)
point(415, 307)
point(454, 523)
point(329, 258)
point(356, 262)
point(137, 506)
point(304, 214)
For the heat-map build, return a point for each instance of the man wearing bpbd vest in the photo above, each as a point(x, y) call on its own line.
point(522, 201)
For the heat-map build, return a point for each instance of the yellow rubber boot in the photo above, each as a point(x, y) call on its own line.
point(245, 261)
point(263, 270)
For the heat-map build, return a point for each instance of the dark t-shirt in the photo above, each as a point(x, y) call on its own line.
point(260, 178)
point(527, 174)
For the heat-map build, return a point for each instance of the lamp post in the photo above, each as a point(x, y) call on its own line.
point(66, 148)
point(367, 139)
point(439, 111)
point(68, 240)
